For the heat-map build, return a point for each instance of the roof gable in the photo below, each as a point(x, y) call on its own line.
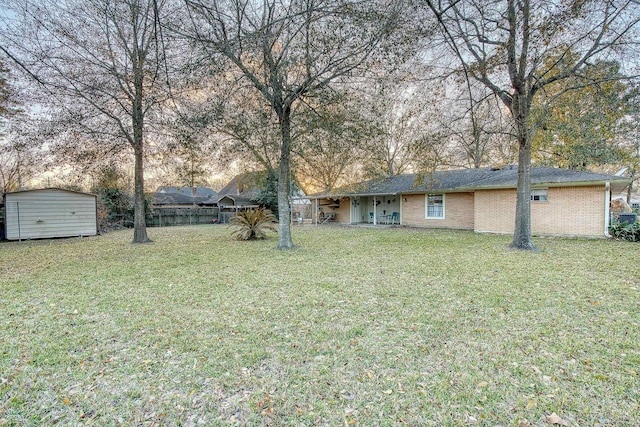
point(244, 184)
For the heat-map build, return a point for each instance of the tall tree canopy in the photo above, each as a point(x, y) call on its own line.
point(507, 45)
point(579, 123)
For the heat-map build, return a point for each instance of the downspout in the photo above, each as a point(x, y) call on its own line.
point(607, 208)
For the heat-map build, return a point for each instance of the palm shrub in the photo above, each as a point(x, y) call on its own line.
point(253, 224)
point(626, 231)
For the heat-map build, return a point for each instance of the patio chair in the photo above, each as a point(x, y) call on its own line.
point(395, 218)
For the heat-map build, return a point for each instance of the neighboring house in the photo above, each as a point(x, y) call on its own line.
point(635, 200)
point(174, 197)
point(563, 202)
point(238, 194)
point(241, 194)
point(49, 212)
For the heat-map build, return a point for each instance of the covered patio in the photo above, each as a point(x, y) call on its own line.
point(374, 209)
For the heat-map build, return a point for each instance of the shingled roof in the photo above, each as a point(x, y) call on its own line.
point(472, 179)
point(169, 195)
point(242, 189)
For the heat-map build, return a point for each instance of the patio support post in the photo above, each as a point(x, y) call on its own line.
point(375, 211)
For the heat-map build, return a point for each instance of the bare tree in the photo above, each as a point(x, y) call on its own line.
point(20, 161)
point(331, 139)
point(100, 69)
point(290, 50)
point(507, 44)
point(248, 128)
point(14, 168)
point(400, 110)
point(14, 161)
point(477, 129)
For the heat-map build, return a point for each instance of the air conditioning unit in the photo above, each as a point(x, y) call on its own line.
point(628, 218)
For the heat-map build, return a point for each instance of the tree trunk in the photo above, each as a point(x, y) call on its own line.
point(137, 122)
point(630, 187)
point(139, 222)
point(284, 182)
point(522, 232)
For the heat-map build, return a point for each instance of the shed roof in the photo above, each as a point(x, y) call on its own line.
point(473, 179)
point(49, 189)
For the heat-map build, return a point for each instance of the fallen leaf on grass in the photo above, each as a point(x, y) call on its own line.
point(264, 402)
point(524, 423)
point(268, 412)
point(556, 420)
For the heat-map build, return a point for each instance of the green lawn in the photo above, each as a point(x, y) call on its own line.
point(356, 327)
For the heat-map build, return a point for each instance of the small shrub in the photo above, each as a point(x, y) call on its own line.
point(115, 208)
point(626, 231)
point(253, 224)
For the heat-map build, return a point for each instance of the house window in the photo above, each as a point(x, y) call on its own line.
point(539, 195)
point(435, 206)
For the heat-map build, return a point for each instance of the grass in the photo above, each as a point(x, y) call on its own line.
point(355, 327)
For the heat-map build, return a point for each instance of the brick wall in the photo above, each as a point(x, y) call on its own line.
point(343, 213)
point(458, 207)
point(570, 211)
point(495, 211)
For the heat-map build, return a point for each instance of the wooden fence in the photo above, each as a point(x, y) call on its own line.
point(165, 217)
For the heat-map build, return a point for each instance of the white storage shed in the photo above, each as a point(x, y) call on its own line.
point(49, 212)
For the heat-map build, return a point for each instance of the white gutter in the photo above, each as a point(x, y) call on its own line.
point(607, 204)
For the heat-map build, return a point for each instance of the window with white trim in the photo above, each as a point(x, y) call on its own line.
point(435, 206)
point(539, 195)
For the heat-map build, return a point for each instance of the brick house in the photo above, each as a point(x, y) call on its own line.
point(563, 202)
